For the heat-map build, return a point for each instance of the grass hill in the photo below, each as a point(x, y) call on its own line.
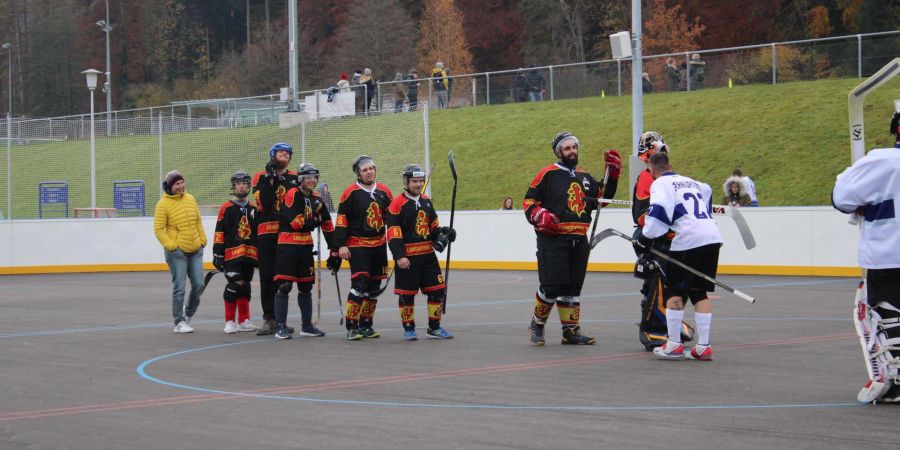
point(791, 138)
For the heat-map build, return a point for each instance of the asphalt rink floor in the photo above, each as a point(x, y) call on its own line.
point(89, 361)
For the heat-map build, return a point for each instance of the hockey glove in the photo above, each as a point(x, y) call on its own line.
point(645, 267)
point(613, 161)
point(334, 261)
point(545, 221)
point(449, 232)
point(219, 262)
point(271, 168)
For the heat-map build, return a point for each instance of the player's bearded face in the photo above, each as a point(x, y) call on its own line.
point(568, 154)
point(415, 185)
point(367, 174)
point(283, 158)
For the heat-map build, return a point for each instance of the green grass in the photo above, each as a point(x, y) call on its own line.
point(791, 138)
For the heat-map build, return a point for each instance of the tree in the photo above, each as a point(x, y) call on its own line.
point(819, 23)
point(671, 30)
point(443, 38)
point(494, 30)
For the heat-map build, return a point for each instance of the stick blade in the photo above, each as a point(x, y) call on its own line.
point(601, 236)
point(452, 164)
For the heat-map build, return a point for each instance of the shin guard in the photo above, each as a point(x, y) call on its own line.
point(569, 310)
point(542, 308)
point(352, 312)
point(367, 312)
point(877, 337)
point(408, 311)
point(435, 309)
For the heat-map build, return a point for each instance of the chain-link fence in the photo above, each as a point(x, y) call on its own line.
point(50, 160)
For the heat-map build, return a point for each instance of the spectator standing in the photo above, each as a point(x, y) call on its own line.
point(698, 71)
point(343, 84)
point(672, 75)
point(358, 89)
point(749, 185)
point(735, 192)
point(449, 85)
point(326, 197)
point(646, 85)
point(521, 86)
point(412, 88)
point(535, 84)
point(179, 229)
point(369, 83)
point(399, 92)
point(440, 83)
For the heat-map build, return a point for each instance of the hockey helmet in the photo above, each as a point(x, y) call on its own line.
point(307, 170)
point(412, 171)
point(279, 146)
point(240, 177)
point(650, 143)
point(559, 138)
point(895, 125)
point(362, 160)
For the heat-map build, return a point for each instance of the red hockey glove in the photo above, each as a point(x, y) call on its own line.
point(544, 221)
point(613, 161)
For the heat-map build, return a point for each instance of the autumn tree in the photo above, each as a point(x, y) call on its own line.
point(494, 31)
point(385, 50)
point(443, 38)
point(671, 31)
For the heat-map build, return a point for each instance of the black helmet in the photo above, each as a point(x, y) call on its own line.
point(307, 170)
point(360, 160)
point(412, 171)
point(240, 177)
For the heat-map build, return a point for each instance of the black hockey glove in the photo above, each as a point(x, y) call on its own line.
point(219, 262)
point(272, 168)
point(449, 232)
point(334, 262)
point(646, 266)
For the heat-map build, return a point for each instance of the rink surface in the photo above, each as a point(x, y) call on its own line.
point(89, 361)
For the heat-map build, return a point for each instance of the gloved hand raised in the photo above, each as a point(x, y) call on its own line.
point(613, 161)
point(545, 221)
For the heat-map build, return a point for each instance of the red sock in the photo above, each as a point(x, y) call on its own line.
point(229, 310)
point(243, 305)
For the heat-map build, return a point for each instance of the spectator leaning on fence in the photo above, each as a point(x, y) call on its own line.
point(412, 88)
point(535, 83)
point(179, 229)
point(399, 92)
point(439, 80)
point(672, 75)
point(698, 71)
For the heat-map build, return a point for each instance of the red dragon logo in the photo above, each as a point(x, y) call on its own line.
point(279, 196)
point(374, 220)
point(243, 230)
point(575, 202)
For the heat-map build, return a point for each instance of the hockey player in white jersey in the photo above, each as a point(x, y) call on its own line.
point(871, 189)
point(682, 205)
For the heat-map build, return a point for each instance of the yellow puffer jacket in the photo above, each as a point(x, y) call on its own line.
point(177, 223)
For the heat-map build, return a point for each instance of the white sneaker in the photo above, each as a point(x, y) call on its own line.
point(231, 327)
point(246, 325)
point(183, 327)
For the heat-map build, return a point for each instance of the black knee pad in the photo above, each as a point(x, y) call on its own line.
point(359, 286)
point(244, 291)
point(406, 299)
point(232, 291)
point(437, 296)
point(553, 291)
point(284, 286)
point(233, 276)
point(372, 289)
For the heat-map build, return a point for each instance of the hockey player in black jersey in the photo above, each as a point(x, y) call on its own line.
point(359, 236)
point(558, 204)
point(301, 212)
point(413, 236)
point(269, 187)
point(235, 253)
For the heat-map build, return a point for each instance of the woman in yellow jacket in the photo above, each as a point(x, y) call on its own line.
point(180, 231)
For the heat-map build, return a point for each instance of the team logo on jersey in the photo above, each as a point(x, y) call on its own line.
point(373, 216)
point(575, 201)
point(422, 224)
point(243, 230)
point(279, 197)
point(308, 213)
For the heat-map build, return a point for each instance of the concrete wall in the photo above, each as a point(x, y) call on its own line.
point(790, 241)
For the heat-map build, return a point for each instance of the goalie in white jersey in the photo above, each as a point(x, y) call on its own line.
point(681, 205)
point(871, 189)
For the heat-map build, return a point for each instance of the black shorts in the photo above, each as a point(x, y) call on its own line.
point(370, 262)
point(562, 262)
point(423, 274)
point(883, 285)
point(680, 282)
point(243, 268)
point(295, 263)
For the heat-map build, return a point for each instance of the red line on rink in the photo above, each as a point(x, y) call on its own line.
point(504, 368)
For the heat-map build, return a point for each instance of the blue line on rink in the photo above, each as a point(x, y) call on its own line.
point(455, 305)
point(142, 372)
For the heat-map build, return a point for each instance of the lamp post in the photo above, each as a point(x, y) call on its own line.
point(91, 76)
point(8, 47)
point(106, 27)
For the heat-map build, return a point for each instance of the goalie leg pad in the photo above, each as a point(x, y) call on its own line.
point(880, 341)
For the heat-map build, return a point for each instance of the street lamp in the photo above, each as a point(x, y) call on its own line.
point(106, 27)
point(8, 47)
point(91, 76)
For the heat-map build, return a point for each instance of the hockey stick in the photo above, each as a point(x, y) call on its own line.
point(337, 285)
point(207, 278)
point(318, 275)
point(613, 232)
point(449, 244)
point(597, 212)
point(719, 210)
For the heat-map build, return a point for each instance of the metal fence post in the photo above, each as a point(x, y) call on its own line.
point(619, 77)
point(473, 99)
point(380, 98)
point(859, 56)
point(774, 66)
point(687, 73)
point(487, 88)
point(160, 151)
point(427, 142)
point(551, 84)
